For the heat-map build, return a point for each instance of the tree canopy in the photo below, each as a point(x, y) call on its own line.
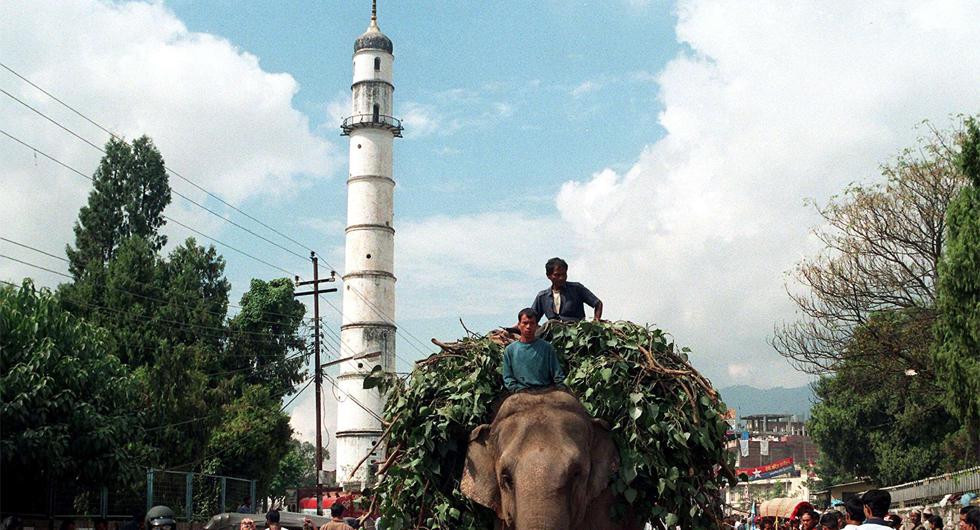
point(957, 351)
point(190, 386)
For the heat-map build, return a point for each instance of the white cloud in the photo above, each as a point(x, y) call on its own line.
point(585, 87)
point(217, 117)
point(422, 120)
point(775, 102)
point(488, 263)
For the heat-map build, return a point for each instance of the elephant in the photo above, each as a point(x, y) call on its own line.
point(544, 463)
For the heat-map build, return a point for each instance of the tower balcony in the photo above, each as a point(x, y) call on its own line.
point(377, 121)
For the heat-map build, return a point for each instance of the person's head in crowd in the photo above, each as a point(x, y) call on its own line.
point(964, 511)
point(915, 518)
point(933, 522)
point(876, 503)
point(768, 524)
point(101, 524)
point(246, 524)
point(829, 521)
point(67, 524)
point(971, 519)
point(272, 520)
point(854, 511)
point(808, 521)
point(894, 520)
point(337, 510)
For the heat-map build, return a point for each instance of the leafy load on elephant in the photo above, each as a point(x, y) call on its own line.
point(667, 423)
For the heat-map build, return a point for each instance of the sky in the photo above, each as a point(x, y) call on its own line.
point(666, 150)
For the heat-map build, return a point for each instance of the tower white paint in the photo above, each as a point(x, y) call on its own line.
point(368, 325)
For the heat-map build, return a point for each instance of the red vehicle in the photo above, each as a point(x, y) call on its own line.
point(307, 505)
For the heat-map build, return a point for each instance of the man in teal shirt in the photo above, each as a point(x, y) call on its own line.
point(530, 362)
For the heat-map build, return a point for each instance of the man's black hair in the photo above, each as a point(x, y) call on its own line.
point(337, 509)
point(830, 520)
point(936, 521)
point(877, 501)
point(272, 516)
point(972, 516)
point(967, 509)
point(855, 509)
point(554, 263)
point(528, 312)
point(65, 523)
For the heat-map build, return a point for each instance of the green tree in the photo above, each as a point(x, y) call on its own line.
point(880, 422)
point(130, 192)
point(296, 469)
point(265, 337)
point(66, 406)
point(957, 331)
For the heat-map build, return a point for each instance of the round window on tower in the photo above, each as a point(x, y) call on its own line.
point(358, 146)
point(368, 256)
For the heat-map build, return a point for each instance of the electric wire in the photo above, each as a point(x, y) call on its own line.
point(164, 302)
point(192, 183)
point(399, 330)
point(175, 192)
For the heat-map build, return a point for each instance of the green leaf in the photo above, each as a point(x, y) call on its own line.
point(606, 374)
point(635, 412)
point(635, 397)
point(671, 520)
point(630, 495)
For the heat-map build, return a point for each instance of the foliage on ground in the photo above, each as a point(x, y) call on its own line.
point(666, 422)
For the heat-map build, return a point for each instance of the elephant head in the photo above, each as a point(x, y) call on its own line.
point(543, 463)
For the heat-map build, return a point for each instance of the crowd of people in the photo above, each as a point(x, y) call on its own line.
point(869, 511)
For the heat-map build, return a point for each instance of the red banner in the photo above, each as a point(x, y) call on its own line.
point(767, 471)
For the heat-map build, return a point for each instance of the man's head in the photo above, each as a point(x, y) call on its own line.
point(965, 510)
point(101, 524)
point(915, 517)
point(854, 510)
point(527, 324)
point(557, 271)
point(971, 519)
point(829, 521)
point(808, 521)
point(272, 519)
point(337, 510)
point(876, 503)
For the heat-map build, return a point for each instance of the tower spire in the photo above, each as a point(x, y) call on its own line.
point(374, 10)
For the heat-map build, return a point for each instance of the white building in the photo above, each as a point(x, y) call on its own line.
point(368, 327)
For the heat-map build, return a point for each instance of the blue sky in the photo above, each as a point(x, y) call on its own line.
point(664, 148)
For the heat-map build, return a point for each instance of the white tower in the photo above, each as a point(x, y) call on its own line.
point(368, 328)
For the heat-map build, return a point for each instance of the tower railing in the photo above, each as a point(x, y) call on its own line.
point(380, 121)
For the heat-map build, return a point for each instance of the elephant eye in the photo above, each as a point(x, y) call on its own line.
point(506, 480)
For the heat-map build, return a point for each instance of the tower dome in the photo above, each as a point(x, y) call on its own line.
point(373, 39)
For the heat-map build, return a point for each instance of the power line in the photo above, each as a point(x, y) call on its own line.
point(175, 192)
point(83, 175)
point(189, 181)
point(221, 333)
point(164, 302)
point(398, 329)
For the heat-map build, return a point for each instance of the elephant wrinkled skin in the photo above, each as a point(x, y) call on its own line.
point(543, 463)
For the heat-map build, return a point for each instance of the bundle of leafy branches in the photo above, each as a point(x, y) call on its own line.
point(667, 422)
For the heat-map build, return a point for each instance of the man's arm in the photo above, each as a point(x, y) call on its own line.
point(509, 381)
point(593, 302)
point(538, 306)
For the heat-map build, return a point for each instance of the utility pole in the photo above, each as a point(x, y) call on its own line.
point(316, 291)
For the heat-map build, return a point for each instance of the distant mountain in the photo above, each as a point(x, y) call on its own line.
point(747, 400)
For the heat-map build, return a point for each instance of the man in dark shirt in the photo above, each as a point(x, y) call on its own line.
point(564, 299)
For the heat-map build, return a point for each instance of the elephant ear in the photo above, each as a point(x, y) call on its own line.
point(605, 459)
point(479, 481)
